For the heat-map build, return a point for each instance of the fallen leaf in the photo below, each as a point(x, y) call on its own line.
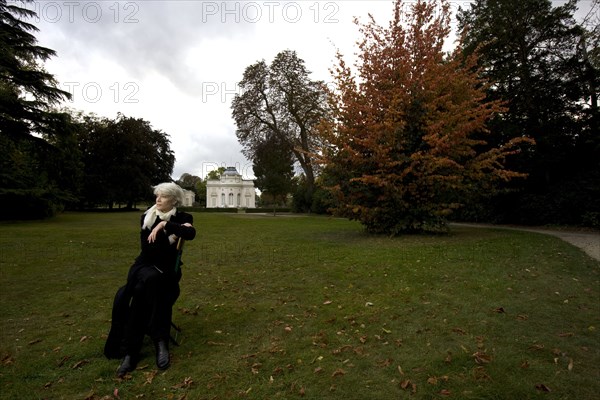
point(480, 344)
point(338, 372)
point(566, 334)
point(542, 387)
point(432, 380)
point(500, 310)
point(385, 363)
point(90, 396)
point(327, 302)
point(445, 392)
point(480, 374)
point(318, 370)
point(342, 349)
point(556, 352)
point(187, 382)
point(522, 317)
point(8, 360)
point(482, 358)
point(188, 311)
point(448, 358)
point(301, 392)
point(405, 384)
point(459, 331)
point(525, 364)
point(255, 368)
point(35, 341)
point(84, 338)
point(79, 364)
point(277, 371)
point(149, 376)
point(570, 366)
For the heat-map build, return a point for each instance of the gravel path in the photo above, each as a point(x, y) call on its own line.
point(589, 242)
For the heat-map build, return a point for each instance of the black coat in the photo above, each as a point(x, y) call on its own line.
point(161, 253)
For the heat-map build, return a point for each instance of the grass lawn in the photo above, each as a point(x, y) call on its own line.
point(293, 307)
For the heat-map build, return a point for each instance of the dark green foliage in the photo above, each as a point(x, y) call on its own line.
point(123, 158)
point(273, 167)
point(39, 171)
point(540, 63)
point(215, 173)
point(196, 185)
point(26, 90)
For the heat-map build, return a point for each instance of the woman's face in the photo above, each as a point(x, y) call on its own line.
point(164, 203)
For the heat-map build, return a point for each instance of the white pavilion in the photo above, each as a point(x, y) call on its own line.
point(231, 191)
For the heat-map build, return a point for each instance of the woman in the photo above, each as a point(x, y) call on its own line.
point(144, 304)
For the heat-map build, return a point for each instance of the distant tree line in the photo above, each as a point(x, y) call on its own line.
point(502, 129)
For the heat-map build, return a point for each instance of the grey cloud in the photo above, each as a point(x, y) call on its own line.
point(142, 36)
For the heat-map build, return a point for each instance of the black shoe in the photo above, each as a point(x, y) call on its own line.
point(162, 355)
point(127, 365)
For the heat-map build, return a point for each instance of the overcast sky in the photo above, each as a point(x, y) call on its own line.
point(175, 63)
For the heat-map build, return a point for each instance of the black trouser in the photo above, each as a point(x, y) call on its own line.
point(153, 295)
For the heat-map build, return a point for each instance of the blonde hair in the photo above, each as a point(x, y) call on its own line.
point(170, 189)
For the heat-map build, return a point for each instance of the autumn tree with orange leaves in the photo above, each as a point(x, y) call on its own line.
point(403, 146)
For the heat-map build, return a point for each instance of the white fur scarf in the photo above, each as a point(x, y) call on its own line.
point(151, 215)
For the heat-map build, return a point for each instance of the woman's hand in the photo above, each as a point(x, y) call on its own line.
point(152, 237)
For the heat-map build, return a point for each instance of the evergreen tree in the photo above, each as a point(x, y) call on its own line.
point(34, 180)
point(273, 167)
point(541, 64)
